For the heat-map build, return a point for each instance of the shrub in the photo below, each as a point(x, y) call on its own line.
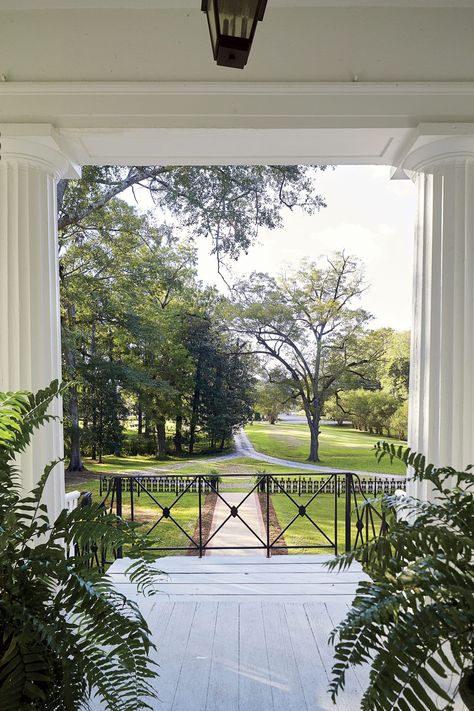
point(399, 421)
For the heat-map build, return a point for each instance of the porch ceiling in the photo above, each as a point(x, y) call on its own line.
point(340, 81)
point(111, 41)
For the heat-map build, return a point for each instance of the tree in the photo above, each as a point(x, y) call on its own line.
point(333, 411)
point(120, 284)
point(369, 410)
point(305, 320)
point(272, 394)
point(222, 394)
point(226, 203)
point(399, 421)
point(395, 369)
point(102, 407)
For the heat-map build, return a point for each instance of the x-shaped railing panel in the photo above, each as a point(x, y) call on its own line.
point(366, 519)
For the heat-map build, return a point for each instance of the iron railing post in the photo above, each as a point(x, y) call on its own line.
point(132, 508)
point(119, 508)
point(200, 514)
point(336, 487)
point(348, 511)
point(268, 515)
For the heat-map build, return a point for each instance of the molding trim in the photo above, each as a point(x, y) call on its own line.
point(236, 88)
point(39, 146)
point(192, 5)
point(433, 145)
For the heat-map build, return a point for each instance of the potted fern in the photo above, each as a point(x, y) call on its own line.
point(413, 622)
point(66, 635)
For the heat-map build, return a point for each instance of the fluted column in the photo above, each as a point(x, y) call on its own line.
point(30, 350)
point(441, 412)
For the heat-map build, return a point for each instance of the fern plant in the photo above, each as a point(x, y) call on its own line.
point(413, 622)
point(66, 635)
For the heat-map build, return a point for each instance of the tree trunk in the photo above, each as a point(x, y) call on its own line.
point(75, 461)
point(101, 433)
point(222, 443)
point(314, 444)
point(178, 437)
point(140, 417)
point(161, 436)
point(313, 417)
point(195, 408)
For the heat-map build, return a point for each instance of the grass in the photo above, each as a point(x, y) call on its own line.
point(340, 447)
point(196, 465)
point(130, 463)
point(240, 465)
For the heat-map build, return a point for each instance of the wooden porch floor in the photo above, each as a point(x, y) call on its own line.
point(243, 633)
point(239, 633)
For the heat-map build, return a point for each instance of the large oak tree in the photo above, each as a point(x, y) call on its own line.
point(309, 322)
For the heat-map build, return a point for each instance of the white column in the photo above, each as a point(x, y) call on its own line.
point(30, 346)
point(441, 412)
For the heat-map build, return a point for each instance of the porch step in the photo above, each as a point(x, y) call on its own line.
point(251, 578)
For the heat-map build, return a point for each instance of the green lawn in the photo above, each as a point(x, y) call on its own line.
point(340, 447)
point(111, 464)
point(240, 465)
point(194, 465)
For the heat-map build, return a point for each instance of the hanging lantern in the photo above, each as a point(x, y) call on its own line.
point(232, 25)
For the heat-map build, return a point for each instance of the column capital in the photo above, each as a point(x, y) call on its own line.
point(434, 145)
point(38, 145)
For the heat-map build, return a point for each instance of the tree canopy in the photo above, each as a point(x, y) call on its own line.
point(226, 203)
point(132, 309)
point(129, 290)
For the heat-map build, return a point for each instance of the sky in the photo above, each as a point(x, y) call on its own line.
point(367, 215)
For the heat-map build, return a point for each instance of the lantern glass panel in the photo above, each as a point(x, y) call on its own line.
point(237, 19)
point(211, 18)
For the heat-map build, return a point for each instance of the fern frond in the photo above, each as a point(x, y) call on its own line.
point(413, 622)
point(67, 633)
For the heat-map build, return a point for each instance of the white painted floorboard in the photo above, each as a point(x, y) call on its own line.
point(234, 634)
point(247, 634)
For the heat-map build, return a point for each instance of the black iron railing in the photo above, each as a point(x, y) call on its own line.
point(347, 512)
